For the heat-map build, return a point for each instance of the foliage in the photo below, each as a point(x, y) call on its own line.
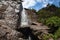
point(53, 21)
point(49, 11)
point(47, 36)
point(50, 16)
point(43, 15)
point(57, 34)
point(41, 20)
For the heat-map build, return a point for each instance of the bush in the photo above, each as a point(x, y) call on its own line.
point(43, 15)
point(47, 36)
point(41, 20)
point(57, 34)
point(53, 21)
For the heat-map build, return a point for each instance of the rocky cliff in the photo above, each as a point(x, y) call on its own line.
point(8, 20)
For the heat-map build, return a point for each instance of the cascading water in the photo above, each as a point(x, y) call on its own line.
point(29, 38)
point(24, 18)
point(23, 24)
point(24, 21)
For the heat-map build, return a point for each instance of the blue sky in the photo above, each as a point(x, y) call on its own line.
point(38, 4)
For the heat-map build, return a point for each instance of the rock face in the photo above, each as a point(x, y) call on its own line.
point(8, 11)
point(32, 15)
point(8, 21)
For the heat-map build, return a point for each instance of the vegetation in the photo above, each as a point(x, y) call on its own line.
point(50, 16)
point(57, 34)
point(47, 36)
point(53, 21)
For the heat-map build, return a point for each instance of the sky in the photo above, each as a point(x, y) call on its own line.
point(38, 4)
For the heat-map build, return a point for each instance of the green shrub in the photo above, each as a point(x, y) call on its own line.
point(41, 20)
point(53, 21)
point(43, 15)
point(54, 36)
point(47, 36)
point(57, 34)
point(56, 22)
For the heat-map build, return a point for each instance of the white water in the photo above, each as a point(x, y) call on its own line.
point(29, 38)
point(24, 18)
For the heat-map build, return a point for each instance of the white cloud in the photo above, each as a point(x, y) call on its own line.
point(28, 3)
point(45, 5)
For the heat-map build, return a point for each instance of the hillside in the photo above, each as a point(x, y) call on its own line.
point(50, 16)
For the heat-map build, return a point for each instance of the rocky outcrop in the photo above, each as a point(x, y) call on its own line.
point(8, 20)
point(31, 14)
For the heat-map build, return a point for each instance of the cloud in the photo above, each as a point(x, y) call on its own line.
point(42, 3)
point(28, 3)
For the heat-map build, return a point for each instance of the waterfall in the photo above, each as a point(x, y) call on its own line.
point(24, 18)
point(25, 23)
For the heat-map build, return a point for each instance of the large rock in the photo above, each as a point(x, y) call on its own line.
point(9, 33)
point(8, 11)
point(8, 21)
